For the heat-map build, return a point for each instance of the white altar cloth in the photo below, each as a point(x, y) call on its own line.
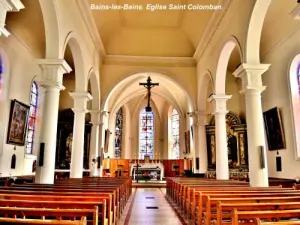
point(150, 166)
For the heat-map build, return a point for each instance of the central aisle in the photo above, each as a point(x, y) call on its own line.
point(148, 206)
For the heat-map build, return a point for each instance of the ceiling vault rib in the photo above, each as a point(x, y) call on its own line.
point(89, 21)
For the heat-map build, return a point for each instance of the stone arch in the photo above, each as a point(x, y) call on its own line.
point(95, 86)
point(52, 28)
point(191, 101)
point(294, 98)
point(253, 35)
point(206, 79)
point(222, 65)
point(79, 63)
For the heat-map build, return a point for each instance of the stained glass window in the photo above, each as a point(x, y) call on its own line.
point(146, 134)
point(118, 134)
point(175, 134)
point(32, 118)
point(298, 77)
point(1, 73)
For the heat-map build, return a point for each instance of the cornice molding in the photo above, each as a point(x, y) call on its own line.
point(91, 27)
point(149, 61)
point(211, 29)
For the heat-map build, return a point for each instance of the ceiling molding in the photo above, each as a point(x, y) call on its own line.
point(149, 61)
point(211, 29)
point(91, 26)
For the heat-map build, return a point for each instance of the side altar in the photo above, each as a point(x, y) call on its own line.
point(236, 147)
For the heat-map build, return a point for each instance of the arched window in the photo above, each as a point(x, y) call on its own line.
point(146, 134)
point(32, 118)
point(118, 134)
point(175, 134)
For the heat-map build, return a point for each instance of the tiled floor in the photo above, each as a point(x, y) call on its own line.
point(148, 206)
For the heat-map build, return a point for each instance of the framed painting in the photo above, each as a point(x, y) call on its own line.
point(274, 129)
point(17, 125)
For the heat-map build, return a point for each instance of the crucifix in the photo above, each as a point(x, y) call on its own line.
point(149, 85)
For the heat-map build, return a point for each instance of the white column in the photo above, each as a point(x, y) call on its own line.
point(53, 71)
point(220, 112)
point(252, 88)
point(202, 146)
point(94, 144)
point(7, 6)
point(80, 101)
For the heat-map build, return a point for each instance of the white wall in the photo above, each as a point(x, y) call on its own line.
point(22, 69)
point(277, 95)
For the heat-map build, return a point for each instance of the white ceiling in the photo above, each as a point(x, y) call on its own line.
point(173, 33)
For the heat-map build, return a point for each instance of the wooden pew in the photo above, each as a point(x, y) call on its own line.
point(59, 214)
point(210, 200)
point(98, 200)
point(237, 216)
point(13, 221)
point(285, 222)
point(112, 204)
point(57, 205)
point(224, 209)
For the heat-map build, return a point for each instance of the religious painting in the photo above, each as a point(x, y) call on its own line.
point(17, 123)
point(106, 141)
point(187, 142)
point(274, 129)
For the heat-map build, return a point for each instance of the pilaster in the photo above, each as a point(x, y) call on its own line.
point(94, 143)
point(201, 144)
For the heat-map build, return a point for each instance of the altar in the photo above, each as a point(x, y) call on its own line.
point(150, 171)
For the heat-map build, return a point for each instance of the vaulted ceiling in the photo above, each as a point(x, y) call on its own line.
point(164, 33)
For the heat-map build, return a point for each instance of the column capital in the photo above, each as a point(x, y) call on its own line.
point(80, 101)
point(7, 6)
point(201, 118)
point(220, 103)
point(83, 96)
point(52, 72)
point(251, 76)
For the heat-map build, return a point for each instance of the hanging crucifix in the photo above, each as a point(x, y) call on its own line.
point(149, 85)
point(148, 108)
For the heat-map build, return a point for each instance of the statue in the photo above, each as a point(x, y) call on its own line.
point(231, 145)
point(69, 142)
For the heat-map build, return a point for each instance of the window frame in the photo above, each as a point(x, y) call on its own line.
point(35, 107)
point(142, 153)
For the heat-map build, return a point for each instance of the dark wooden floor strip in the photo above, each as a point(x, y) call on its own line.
point(178, 215)
point(130, 209)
